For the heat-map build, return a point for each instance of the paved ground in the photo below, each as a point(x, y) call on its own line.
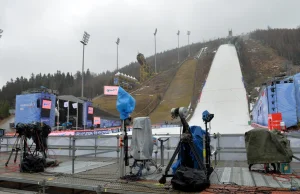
point(90, 173)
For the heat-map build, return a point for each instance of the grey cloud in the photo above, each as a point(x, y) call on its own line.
point(43, 36)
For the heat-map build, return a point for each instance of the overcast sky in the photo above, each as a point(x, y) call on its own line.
point(43, 35)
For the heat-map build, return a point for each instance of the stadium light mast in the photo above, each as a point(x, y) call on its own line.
point(155, 48)
point(178, 44)
point(118, 41)
point(84, 42)
point(189, 33)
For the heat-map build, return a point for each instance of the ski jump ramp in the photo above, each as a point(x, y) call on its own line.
point(223, 95)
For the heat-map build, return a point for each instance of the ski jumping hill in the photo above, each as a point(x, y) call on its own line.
point(223, 95)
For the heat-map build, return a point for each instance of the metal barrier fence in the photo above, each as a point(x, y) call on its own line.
point(227, 146)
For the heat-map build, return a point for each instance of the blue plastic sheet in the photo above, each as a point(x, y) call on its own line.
point(197, 133)
point(26, 108)
point(261, 109)
point(125, 103)
point(282, 100)
point(286, 103)
point(297, 94)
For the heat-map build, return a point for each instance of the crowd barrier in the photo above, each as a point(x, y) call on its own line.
point(255, 125)
point(96, 131)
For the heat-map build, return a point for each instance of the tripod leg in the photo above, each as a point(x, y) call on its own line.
point(172, 159)
point(163, 180)
point(9, 157)
point(17, 150)
point(12, 150)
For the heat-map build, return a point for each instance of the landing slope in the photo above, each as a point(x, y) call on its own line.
point(224, 95)
point(179, 92)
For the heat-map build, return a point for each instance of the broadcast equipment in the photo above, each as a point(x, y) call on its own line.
point(38, 132)
point(186, 140)
point(207, 117)
point(142, 145)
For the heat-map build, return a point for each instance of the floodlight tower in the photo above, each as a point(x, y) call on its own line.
point(155, 48)
point(84, 42)
point(189, 33)
point(178, 44)
point(118, 41)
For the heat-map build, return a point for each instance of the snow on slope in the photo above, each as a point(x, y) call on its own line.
point(224, 95)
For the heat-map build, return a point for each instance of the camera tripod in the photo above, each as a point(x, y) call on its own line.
point(186, 140)
point(17, 147)
point(124, 147)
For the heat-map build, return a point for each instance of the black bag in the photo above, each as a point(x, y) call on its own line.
point(189, 180)
point(33, 163)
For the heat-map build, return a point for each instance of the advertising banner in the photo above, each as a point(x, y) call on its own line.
point(97, 121)
point(111, 90)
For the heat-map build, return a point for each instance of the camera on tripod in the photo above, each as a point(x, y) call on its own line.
point(37, 131)
point(33, 129)
point(31, 160)
point(207, 117)
point(179, 112)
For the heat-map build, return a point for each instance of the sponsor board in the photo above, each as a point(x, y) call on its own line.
point(111, 90)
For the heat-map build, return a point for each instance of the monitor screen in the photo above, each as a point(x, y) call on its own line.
point(90, 110)
point(46, 108)
point(46, 104)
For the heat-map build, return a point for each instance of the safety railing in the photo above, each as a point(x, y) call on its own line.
point(225, 146)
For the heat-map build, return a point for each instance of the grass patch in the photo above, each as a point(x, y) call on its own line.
point(178, 94)
point(147, 96)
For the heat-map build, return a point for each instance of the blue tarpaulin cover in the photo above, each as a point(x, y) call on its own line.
point(297, 93)
point(125, 103)
point(197, 133)
point(282, 100)
point(286, 103)
point(26, 108)
point(260, 111)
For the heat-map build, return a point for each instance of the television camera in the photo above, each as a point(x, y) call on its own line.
point(37, 131)
point(31, 160)
point(187, 161)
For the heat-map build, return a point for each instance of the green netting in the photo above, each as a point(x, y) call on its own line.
point(264, 146)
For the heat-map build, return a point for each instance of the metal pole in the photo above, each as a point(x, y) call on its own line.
point(178, 48)
point(117, 57)
point(73, 155)
point(70, 142)
point(95, 146)
point(77, 117)
point(155, 52)
point(162, 153)
point(118, 149)
point(189, 45)
point(82, 72)
point(68, 114)
point(57, 115)
point(122, 162)
point(218, 147)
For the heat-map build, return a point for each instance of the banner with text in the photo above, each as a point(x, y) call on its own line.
point(111, 90)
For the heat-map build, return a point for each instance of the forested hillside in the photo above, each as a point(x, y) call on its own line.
point(285, 41)
point(68, 83)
